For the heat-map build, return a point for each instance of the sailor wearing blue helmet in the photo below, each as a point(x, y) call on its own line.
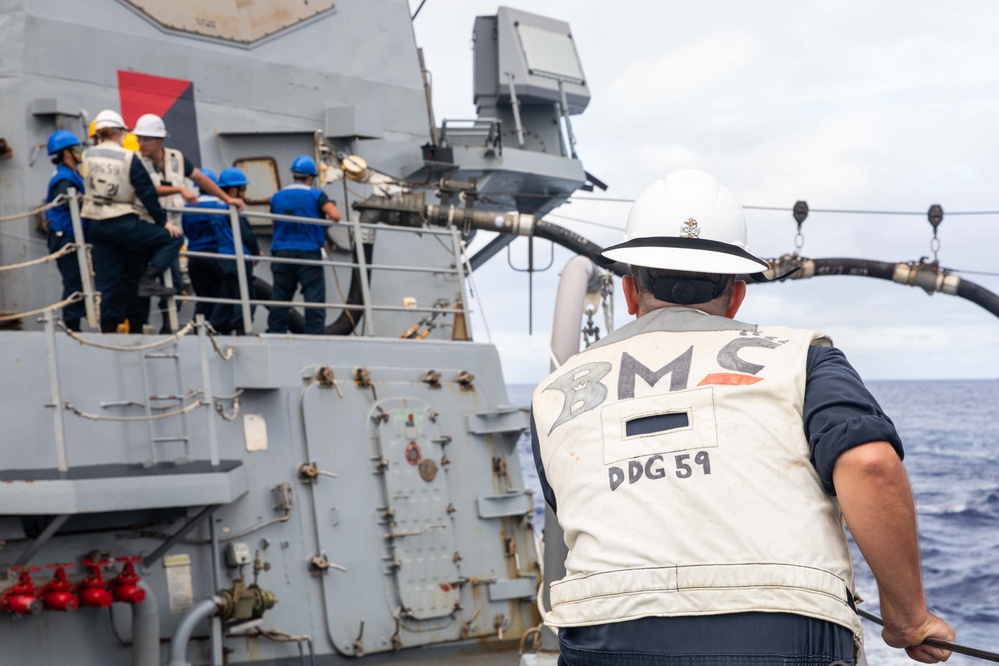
point(226, 317)
point(205, 272)
point(67, 156)
point(300, 240)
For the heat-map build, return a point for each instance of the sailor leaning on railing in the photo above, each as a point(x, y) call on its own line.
point(117, 187)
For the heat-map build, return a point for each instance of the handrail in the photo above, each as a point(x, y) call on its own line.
point(92, 298)
point(355, 227)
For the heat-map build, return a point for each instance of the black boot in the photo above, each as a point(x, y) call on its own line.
point(149, 285)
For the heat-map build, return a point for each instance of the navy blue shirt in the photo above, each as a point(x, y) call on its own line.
point(199, 227)
point(839, 414)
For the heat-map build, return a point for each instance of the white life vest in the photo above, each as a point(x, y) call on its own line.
point(172, 175)
point(676, 452)
point(109, 187)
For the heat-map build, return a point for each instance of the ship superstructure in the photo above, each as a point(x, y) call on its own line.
point(193, 498)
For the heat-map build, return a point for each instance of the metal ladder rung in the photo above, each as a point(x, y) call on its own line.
point(179, 438)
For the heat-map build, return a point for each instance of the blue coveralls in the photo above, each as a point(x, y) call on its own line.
point(228, 318)
point(60, 235)
point(205, 273)
point(297, 240)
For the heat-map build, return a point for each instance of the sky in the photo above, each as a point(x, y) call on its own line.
point(887, 106)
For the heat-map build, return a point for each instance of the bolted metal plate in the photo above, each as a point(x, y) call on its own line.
point(419, 525)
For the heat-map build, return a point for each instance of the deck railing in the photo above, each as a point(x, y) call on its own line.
point(357, 231)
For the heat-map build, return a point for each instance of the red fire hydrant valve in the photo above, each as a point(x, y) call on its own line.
point(125, 587)
point(21, 598)
point(92, 590)
point(58, 592)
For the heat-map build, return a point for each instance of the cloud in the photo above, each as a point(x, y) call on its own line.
point(872, 106)
point(680, 73)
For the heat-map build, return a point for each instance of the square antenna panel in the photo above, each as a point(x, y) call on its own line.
point(550, 54)
point(533, 54)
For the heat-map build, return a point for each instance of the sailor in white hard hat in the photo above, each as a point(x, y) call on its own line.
point(171, 169)
point(118, 190)
point(175, 177)
point(695, 462)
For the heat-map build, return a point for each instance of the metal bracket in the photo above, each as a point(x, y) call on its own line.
point(179, 534)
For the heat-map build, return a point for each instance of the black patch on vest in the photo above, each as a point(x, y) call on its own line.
point(649, 425)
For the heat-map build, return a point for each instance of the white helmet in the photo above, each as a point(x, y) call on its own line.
point(109, 119)
point(149, 124)
point(687, 221)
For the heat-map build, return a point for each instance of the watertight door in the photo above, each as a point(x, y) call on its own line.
point(419, 526)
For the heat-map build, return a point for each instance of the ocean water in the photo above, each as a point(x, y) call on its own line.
point(951, 434)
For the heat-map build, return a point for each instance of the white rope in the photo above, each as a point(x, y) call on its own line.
point(58, 201)
point(229, 351)
point(190, 326)
point(471, 278)
point(62, 252)
point(236, 404)
point(72, 298)
point(152, 417)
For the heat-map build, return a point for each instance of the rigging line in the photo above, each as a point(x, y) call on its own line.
point(783, 209)
point(935, 642)
point(72, 298)
point(155, 417)
point(58, 201)
point(152, 345)
point(58, 254)
point(958, 270)
point(581, 221)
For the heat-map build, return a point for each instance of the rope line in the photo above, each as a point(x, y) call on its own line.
point(61, 252)
point(152, 417)
point(72, 298)
point(226, 354)
point(55, 203)
point(236, 404)
point(190, 326)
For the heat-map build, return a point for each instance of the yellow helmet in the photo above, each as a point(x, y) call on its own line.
point(131, 142)
point(92, 132)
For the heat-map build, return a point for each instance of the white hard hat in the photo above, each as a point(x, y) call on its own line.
point(687, 221)
point(149, 124)
point(109, 119)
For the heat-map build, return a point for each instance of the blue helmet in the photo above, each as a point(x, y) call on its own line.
point(211, 175)
point(304, 165)
point(63, 139)
point(232, 177)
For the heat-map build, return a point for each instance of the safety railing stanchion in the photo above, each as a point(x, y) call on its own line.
point(244, 290)
point(62, 462)
point(171, 301)
point(459, 267)
point(204, 347)
point(86, 276)
point(362, 269)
